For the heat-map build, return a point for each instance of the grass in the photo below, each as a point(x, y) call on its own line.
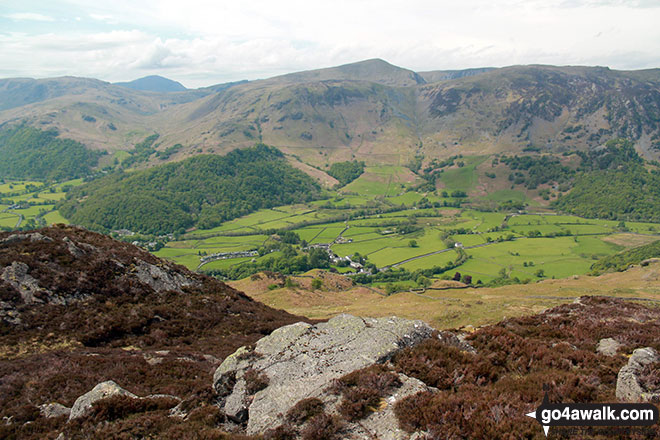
point(462, 178)
point(461, 307)
point(504, 195)
point(54, 217)
point(8, 220)
point(381, 181)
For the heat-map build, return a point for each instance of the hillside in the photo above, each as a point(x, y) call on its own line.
point(375, 70)
point(153, 83)
point(623, 260)
point(363, 110)
point(450, 304)
point(100, 339)
point(200, 191)
point(98, 114)
point(79, 308)
point(28, 153)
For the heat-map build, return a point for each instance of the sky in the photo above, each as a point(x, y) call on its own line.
point(205, 42)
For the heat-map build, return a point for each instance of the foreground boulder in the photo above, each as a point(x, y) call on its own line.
point(300, 361)
point(103, 390)
point(628, 386)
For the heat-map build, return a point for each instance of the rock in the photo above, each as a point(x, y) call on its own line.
point(383, 424)
point(178, 411)
point(628, 387)
point(159, 279)
point(73, 249)
point(101, 391)
point(17, 276)
point(608, 346)
point(457, 341)
point(33, 237)
point(50, 410)
point(650, 261)
point(301, 361)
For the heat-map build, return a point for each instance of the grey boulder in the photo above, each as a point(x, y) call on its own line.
point(50, 410)
point(299, 361)
point(101, 391)
point(628, 386)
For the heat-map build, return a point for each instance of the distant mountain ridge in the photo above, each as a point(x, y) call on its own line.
point(153, 83)
point(372, 109)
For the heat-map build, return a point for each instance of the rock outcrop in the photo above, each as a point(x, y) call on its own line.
point(101, 391)
point(50, 410)
point(628, 386)
point(80, 264)
point(257, 386)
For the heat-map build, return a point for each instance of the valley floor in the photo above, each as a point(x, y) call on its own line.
point(448, 304)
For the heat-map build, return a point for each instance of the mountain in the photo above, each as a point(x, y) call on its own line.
point(153, 83)
point(371, 109)
point(28, 153)
point(100, 115)
point(375, 70)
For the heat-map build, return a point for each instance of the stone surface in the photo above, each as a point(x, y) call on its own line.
point(159, 279)
point(101, 391)
point(302, 360)
point(17, 276)
point(33, 237)
point(383, 424)
point(608, 346)
point(49, 410)
point(628, 388)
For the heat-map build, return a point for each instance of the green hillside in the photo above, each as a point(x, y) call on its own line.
point(622, 260)
point(29, 153)
point(201, 191)
point(613, 185)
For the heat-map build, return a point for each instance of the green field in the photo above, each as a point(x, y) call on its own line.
point(36, 203)
point(462, 178)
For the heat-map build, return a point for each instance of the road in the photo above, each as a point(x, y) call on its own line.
point(435, 253)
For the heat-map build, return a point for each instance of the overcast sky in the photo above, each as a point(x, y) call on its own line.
point(205, 42)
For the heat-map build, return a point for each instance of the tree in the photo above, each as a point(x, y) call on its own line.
point(457, 276)
point(423, 281)
point(466, 279)
point(316, 283)
point(413, 243)
point(540, 273)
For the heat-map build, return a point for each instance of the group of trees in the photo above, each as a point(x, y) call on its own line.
point(346, 172)
point(622, 260)
point(627, 194)
point(29, 153)
point(201, 191)
point(290, 261)
point(532, 171)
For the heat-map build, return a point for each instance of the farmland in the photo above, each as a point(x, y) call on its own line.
point(388, 224)
point(366, 216)
point(31, 203)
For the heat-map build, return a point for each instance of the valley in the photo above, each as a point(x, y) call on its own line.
point(390, 225)
point(443, 239)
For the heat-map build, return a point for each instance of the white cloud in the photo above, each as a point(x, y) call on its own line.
point(29, 16)
point(200, 42)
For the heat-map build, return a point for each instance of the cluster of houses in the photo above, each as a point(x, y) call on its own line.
point(228, 255)
point(336, 259)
